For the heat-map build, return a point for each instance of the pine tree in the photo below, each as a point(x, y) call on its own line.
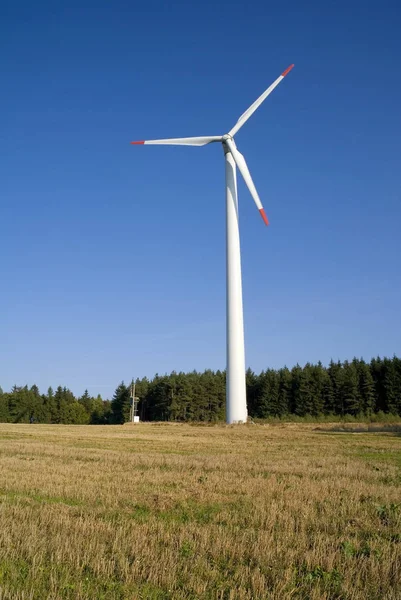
point(335, 373)
point(273, 383)
point(366, 388)
point(328, 394)
point(19, 404)
point(377, 371)
point(60, 404)
point(350, 389)
point(86, 401)
point(35, 390)
point(268, 395)
point(158, 399)
point(305, 405)
point(120, 405)
point(397, 381)
point(284, 391)
point(198, 408)
point(251, 392)
point(51, 406)
point(390, 385)
point(262, 398)
point(214, 399)
point(317, 382)
point(296, 406)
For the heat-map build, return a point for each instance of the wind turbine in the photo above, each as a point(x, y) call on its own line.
point(236, 410)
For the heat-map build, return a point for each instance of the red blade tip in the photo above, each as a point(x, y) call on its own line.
point(142, 142)
point(284, 73)
point(263, 215)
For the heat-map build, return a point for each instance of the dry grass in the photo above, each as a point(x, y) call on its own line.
point(189, 512)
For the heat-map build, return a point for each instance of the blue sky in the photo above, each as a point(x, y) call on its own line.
point(112, 256)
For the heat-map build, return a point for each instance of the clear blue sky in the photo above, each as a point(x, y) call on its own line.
point(112, 256)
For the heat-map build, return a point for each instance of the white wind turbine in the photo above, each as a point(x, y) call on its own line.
point(235, 388)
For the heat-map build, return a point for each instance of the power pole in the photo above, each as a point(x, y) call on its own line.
point(134, 404)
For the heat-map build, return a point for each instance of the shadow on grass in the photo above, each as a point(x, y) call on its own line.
point(391, 428)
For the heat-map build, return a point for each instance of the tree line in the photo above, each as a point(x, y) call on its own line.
point(355, 388)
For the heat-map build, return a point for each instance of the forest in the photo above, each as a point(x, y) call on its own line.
point(350, 388)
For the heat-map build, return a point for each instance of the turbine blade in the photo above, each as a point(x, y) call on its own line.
point(190, 141)
point(249, 112)
point(243, 169)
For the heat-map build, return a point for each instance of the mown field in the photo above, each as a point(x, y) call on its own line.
point(164, 511)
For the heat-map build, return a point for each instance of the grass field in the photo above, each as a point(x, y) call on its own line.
point(169, 511)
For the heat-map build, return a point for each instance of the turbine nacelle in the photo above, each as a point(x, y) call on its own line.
point(228, 142)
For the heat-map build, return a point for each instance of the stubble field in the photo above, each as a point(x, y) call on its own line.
point(168, 511)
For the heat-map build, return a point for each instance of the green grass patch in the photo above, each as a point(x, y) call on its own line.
point(188, 512)
point(14, 497)
point(309, 578)
point(391, 457)
point(39, 580)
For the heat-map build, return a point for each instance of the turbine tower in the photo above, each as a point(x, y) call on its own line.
point(236, 410)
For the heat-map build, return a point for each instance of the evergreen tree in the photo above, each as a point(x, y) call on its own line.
point(306, 400)
point(218, 408)
point(120, 405)
point(284, 392)
point(268, 395)
point(377, 371)
point(86, 401)
point(213, 402)
point(366, 387)
point(349, 390)
point(397, 381)
point(19, 405)
point(273, 386)
point(335, 374)
point(296, 405)
point(35, 390)
point(159, 399)
point(328, 394)
point(261, 409)
point(212, 392)
point(391, 386)
point(316, 384)
point(251, 392)
point(51, 406)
